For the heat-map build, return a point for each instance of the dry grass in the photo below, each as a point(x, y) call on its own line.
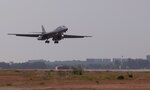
point(66, 80)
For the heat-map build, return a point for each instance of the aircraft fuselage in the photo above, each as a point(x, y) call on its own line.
point(58, 31)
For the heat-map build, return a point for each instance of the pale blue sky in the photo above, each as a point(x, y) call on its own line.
point(119, 28)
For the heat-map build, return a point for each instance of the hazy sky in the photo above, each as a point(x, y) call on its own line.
point(119, 28)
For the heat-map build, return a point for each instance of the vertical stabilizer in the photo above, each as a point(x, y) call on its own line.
point(43, 30)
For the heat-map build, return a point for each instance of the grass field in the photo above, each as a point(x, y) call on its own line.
point(68, 80)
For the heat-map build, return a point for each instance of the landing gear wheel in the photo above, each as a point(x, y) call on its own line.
point(56, 42)
point(47, 41)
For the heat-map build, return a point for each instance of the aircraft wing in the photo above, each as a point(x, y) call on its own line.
point(26, 35)
point(75, 36)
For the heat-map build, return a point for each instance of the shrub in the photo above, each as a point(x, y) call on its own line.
point(8, 84)
point(42, 83)
point(130, 75)
point(120, 77)
point(17, 71)
point(77, 71)
point(97, 81)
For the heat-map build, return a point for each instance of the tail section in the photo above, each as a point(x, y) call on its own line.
point(43, 30)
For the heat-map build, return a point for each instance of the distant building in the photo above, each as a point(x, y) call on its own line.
point(93, 60)
point(148, 57)
point(35, 61)
point(99, 61)
point(106, 61)
point(117, 62)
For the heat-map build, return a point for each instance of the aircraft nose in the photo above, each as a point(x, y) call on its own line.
point(66, 28)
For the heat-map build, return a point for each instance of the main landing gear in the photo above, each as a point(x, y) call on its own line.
point(56, 42)
point(47, 41)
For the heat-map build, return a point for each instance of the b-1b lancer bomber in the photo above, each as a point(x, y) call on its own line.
point(56, 35)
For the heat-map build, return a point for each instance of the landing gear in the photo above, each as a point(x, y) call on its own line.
point(47, 41)
point(56, 42)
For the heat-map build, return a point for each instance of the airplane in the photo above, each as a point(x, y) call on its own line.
point(56, 35)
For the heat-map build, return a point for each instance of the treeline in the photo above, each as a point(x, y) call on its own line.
point(26, 65)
